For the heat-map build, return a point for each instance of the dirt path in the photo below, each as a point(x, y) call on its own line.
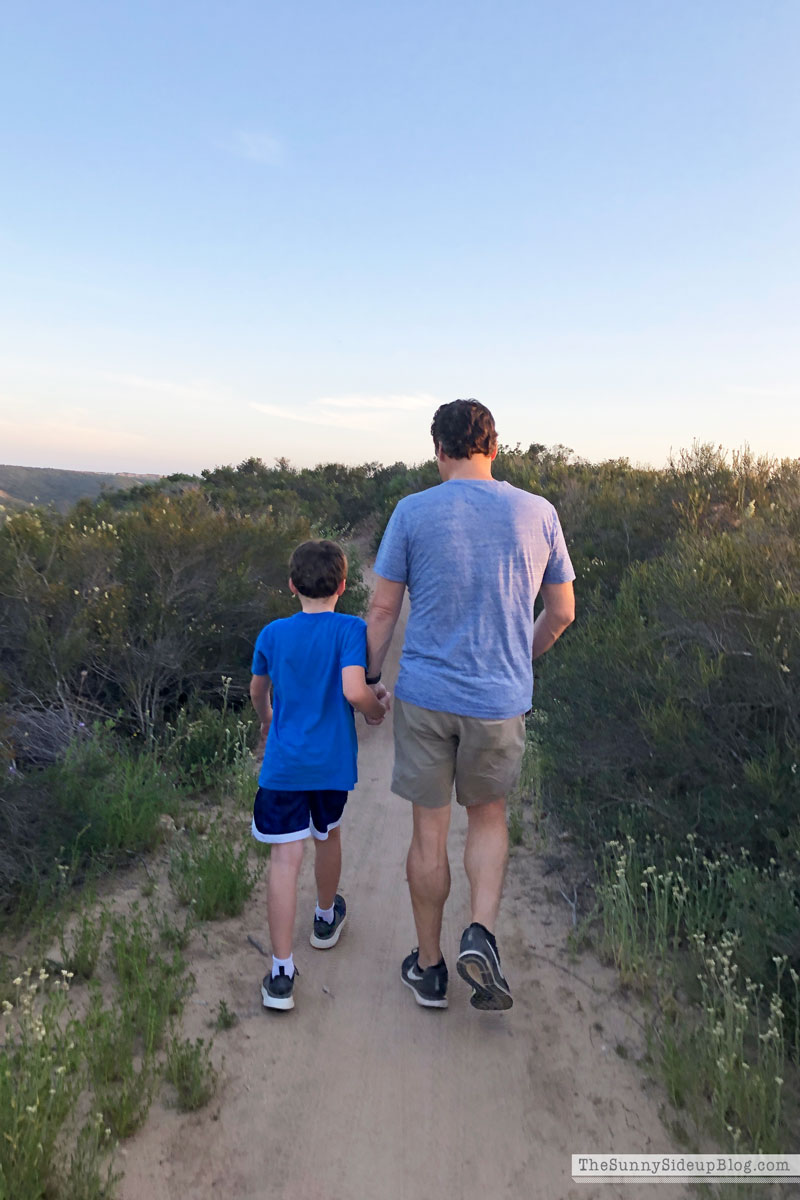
point(360, 1094)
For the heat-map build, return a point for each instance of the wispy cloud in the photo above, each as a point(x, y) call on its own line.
point(198, 390)
point(163, 387)
point(308, 416)
point(767, 393)
point(401, 403)
point(362, 413)
point(257, 147)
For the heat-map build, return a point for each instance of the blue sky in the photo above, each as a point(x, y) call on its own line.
point(260, 228)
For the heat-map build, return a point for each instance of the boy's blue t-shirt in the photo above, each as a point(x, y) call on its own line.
point(312, 740)
point(473, 554)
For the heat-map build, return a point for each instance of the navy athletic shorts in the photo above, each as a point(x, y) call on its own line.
point(290, 816)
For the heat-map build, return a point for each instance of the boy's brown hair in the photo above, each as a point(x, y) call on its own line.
point(317, 567)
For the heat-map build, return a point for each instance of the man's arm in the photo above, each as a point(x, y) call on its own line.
point(259, 694)
point(558, 612)
point(387, 600)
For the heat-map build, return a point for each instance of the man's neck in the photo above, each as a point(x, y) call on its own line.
point(479, 466)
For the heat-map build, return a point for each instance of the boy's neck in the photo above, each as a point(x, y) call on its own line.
point(321, 604)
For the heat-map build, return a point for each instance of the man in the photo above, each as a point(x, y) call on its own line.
point(473, 552)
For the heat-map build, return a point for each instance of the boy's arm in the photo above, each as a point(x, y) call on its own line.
point(362, 697)
point(259, 694)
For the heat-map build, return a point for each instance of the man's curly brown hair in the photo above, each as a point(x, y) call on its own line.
point(463, 428)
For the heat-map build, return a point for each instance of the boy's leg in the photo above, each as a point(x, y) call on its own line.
point(284, 868)
point(328, 867)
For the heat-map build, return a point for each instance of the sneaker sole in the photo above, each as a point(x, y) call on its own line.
point(280, 1002)
point(326, 943)
point(476, 970)
point(423, 1000)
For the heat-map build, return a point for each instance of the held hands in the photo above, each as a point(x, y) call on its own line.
point(383, 694)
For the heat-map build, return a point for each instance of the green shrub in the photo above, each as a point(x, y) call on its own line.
point(676, 707)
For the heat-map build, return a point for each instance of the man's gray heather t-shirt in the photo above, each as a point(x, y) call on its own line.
point(473, 553)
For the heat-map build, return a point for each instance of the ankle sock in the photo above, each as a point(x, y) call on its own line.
point(286, 963)
point(325, 914)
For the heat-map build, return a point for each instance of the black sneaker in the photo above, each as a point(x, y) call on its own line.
point(326, 933)
point(429, 985)
point(479, 963)
point(277, 990)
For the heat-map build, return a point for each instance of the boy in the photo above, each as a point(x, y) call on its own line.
point(316, 661)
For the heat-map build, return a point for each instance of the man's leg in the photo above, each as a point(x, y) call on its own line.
point(428, 871)
point(284, 868)
point(485, 859)
point(328, 867)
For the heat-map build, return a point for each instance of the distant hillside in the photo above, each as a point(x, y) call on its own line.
point(23, 486)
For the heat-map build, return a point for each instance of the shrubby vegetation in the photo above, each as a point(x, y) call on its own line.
point(119, 623)
point(683, 678)
point(665, 737)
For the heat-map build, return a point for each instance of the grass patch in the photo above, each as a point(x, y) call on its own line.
point(125, 1102)
point(98, 807)
point(225, 1018)
point(151, 989)
point(81, 951)
point(85, 1178)
point(213, 876)
point(174, 935)
point(190, 1071)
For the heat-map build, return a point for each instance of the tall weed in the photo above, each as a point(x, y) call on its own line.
point(41, 1080)
point(743, 1034)
point(204, 744)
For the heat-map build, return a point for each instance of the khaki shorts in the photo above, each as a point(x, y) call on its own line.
point(434, 750)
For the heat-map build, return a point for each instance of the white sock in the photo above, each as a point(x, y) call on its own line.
point(286, 963)
point(326, 914)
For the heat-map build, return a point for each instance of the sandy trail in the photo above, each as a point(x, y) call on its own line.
point(360, 1094)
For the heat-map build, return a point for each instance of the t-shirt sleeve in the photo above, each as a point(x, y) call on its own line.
point(392, 558)
point(559, 567)
point(353, 649)
point(261, 652)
